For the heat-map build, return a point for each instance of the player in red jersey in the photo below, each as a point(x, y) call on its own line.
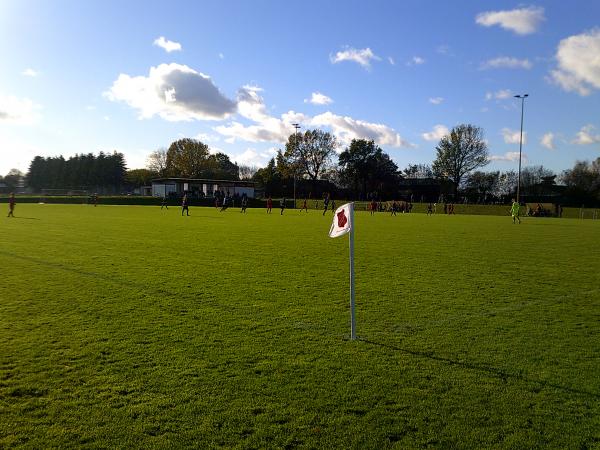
point(11, 205)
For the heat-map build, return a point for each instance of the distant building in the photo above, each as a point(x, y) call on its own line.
point(200, 187)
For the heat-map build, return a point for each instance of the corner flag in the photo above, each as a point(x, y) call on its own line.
point(343, 223)
point(342, 220)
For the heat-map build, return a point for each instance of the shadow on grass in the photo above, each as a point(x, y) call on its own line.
point(26, 218)
point(497, 372)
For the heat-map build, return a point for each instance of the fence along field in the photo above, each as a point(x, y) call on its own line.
point(136, 327)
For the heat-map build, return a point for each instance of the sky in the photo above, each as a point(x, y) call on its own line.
point(134, 76)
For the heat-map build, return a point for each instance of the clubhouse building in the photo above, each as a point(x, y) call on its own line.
point(200, 187)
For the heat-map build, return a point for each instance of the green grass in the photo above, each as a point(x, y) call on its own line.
point(133, 327)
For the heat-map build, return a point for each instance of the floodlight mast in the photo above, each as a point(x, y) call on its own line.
point(522, 97)
point(297, 127)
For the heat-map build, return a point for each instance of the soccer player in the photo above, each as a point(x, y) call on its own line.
point(163, 203)
point(304, 206)
point(225, 203)
point(514, 211)
point(373, 206)
point(429, 209)
point(332, 206)
point(244, 203)
point(11, 205)
point(282, 205)
point(394, 208)
point(184, 205)
point(269, 205)
point(325, 203)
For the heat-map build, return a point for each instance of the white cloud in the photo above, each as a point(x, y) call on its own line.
point(168, 46)
point(174, 92)
point(436, 100)
point(499, 95)
point(267, 128)
point(363, 56)
point(506, 62)
point(578, 63)
point(347, 128)
point(319, 99)
point(509, 157)
point(513, 137)
point(29, 72)
point(585, 136)
point(221, 56)
point(415, 61)
point(438, 132)
point(391, 61)
point(16, 154)
point(19, 111)
point(521, 21)
point(252, 157)
point(548, 141)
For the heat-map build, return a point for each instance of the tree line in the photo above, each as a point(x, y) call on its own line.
point(309, 164)
point(102, 172)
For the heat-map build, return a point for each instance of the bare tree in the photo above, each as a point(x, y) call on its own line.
point(310, 152)
point(460, 152)
point(157, 162)
point(247, 172)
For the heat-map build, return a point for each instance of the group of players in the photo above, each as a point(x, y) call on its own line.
point(328, 203)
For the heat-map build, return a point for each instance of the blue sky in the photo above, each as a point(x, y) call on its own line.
point(131, 76)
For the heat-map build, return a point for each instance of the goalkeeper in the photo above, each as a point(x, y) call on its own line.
point(514, 211)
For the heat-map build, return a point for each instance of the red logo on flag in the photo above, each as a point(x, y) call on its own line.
point(342, 219)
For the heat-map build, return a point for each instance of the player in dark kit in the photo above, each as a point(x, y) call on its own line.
point(244, 203)
point(184, 205)
point(11, 205)
point(325, 204)
point(163, 203)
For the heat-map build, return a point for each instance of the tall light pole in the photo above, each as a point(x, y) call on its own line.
point(522, 97)
point(297, 127)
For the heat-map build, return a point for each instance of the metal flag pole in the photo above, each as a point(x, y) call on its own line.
point(352, 315)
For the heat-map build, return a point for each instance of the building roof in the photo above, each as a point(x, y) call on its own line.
point(204, 180)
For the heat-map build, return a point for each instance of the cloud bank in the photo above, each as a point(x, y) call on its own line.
point(578, 63)
point(174, 92)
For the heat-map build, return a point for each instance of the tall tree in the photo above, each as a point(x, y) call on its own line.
point(269, 178)
point(157, 162)
point(139, 177)
point(246, 172)
point(418, 171)
point(220, 167)
point(365, 167)
point(533, 176)
point(187, 158)
point(583, 180)
point(13, 179)
point(310, 152)
point(482, 184)
point(460, 152)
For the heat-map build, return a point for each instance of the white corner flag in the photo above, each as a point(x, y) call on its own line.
point(343, 222)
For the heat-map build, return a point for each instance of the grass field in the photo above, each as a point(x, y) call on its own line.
point(133, 327)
